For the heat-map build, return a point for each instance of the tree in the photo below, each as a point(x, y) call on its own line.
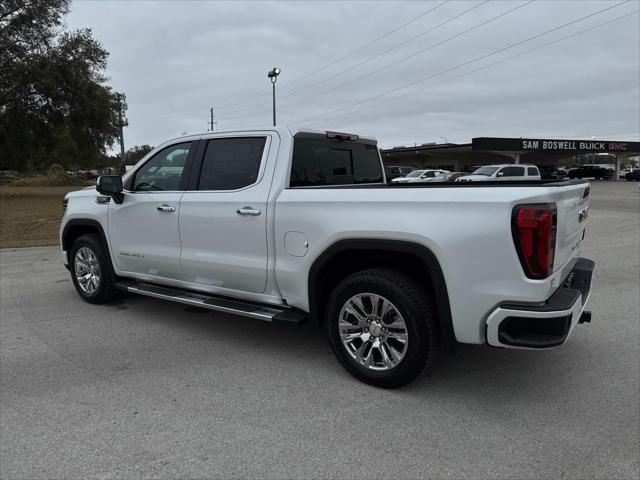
point(135, 153)
point(54, 104)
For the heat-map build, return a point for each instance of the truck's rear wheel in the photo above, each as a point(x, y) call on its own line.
point(382, 327)
point(91, 270)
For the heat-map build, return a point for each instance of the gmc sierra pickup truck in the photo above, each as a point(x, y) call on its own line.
point(289, 224)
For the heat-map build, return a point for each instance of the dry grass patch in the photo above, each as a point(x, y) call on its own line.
point(30, 216)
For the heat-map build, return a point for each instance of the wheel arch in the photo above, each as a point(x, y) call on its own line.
point(349, 255)
point(77, 227)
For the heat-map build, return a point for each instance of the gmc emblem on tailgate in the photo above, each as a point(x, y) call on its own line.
point(583, 214)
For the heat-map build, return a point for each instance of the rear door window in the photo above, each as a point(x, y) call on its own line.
point(231, 163)
point(533, 171)
point(325, 162)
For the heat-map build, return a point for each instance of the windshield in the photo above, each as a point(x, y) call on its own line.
point(488, 171)
point(415, 173)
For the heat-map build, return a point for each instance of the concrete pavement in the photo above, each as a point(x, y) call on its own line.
point(148, 389)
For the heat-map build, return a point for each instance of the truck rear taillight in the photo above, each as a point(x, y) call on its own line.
point(534, 234)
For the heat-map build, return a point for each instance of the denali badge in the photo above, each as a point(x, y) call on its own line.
point(131, 254)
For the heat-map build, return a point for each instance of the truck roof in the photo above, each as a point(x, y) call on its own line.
point(284, 130)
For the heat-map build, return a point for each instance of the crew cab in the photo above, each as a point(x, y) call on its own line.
point(502, 172)
point(291, 225)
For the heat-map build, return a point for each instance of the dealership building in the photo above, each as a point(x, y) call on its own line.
point(536, 151)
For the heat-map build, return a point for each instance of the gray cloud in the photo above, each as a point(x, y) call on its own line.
point(175, 60)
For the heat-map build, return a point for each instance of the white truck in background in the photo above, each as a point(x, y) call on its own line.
point(505, 172)
point(291, 224)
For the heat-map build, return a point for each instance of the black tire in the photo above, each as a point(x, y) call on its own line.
point(106, 290)
point(418, 313)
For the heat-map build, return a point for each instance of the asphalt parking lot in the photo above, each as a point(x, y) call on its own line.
point(145, 388)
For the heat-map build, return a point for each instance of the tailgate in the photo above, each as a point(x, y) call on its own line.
point(572, 203)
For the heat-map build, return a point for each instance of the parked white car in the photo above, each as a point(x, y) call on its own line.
point(438, 176)
point(502, 172)
point(290, 225)
point(420, 176)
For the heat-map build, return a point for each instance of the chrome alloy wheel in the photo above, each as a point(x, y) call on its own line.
point(373, 331)
point(87, 270)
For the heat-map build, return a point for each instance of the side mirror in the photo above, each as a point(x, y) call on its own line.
point(500, 174)
point(111, 185)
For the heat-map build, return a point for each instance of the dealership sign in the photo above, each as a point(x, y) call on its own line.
point(552, 145)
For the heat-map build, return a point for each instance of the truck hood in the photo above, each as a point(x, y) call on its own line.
point(83, 192)
point(402, 180)
point(413, 180)
point(474, 178)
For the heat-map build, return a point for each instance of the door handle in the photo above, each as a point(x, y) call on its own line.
point(166, 208)
point(248, 211)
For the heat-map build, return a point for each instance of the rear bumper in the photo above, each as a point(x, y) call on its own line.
point(547, 324)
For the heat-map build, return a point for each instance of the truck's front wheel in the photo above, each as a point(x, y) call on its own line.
point(91, 270)
point(382, 327)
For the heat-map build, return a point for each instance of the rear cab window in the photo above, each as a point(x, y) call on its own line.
point(322, 161)
point(512, 171)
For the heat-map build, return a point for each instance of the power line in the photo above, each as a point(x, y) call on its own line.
point(333, 62)
point(373, 57)
point(455, 67)
point(384, 67)
point(369, 59)
point(483, 68)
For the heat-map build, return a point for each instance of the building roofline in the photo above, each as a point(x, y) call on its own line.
point(441, 146)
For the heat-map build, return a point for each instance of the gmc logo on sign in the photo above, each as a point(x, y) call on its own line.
point(618, 147)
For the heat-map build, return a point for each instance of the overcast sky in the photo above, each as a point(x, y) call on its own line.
point(175, 60)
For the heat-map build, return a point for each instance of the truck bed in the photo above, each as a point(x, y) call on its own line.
point(490, 183)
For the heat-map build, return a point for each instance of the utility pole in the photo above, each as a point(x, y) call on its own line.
point(122, 122)
point(212, 121)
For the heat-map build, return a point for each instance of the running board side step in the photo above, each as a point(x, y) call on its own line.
point(268, 313)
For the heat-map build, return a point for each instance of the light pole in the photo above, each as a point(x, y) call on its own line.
point(273, 76)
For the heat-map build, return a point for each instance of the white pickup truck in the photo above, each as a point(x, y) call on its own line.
point(289, 224)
